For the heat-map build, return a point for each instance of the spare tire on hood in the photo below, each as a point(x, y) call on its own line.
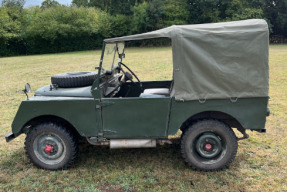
point(74, 79)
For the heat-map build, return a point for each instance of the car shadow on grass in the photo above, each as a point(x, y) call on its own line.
point(89, 155)
point(163, 155)
point(118, 167)
point(97, 157)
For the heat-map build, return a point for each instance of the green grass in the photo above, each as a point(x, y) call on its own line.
point(260, 164)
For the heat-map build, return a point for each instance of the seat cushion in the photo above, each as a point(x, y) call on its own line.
point(157, 91)
point(144, 95)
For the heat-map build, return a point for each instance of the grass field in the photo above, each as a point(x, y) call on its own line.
point(260, 164)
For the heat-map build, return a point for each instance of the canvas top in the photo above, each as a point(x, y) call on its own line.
point(216, 60)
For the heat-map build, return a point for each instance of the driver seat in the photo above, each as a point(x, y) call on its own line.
point(157, 92)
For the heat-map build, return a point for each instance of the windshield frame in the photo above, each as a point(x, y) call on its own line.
point(114, 63)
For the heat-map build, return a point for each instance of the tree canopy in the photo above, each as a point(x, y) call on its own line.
point(53, 27)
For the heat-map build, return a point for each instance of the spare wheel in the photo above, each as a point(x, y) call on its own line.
point(74, 79)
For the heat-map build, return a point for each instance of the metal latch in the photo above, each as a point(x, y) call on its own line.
point(233, 99)
point(202, 100)
point(104, 104)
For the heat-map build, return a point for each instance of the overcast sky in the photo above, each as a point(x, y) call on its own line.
point(38, 2)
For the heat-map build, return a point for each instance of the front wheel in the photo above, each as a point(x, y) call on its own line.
point(51, 146)
point(209, 145)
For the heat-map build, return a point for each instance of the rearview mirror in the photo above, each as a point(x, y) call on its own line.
point(27, 88)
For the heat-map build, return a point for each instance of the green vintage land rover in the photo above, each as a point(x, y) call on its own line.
point(220, 83)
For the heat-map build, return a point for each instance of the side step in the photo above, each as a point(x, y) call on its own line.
point(129, 143)
point(132, 143)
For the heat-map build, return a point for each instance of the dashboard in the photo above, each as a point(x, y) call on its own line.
point(110, 84)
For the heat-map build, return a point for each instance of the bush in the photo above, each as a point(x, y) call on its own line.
point(62, 29)
point(54, 28)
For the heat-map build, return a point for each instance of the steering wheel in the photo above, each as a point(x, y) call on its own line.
point(129, 76)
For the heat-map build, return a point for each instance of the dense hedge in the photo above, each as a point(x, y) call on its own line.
point(55, 28)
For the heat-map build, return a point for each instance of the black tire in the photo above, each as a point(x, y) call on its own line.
point(74, 79)
point(51, 146)
point(209, 145)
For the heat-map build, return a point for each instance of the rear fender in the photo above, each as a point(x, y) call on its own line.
point(250, 113)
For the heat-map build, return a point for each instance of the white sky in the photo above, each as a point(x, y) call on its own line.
point(38, 2)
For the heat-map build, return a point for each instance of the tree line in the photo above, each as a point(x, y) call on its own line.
point(52, 27)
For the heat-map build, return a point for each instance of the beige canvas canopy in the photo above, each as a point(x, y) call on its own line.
point(217, 60)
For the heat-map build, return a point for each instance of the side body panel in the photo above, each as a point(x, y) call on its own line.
point(135, 117)
point(249, 112)
point(80, 112)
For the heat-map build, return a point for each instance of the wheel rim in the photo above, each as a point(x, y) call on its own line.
point(208, 145)
point(49, 148)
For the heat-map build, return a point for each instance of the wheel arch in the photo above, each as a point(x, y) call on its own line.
point(49, 118)
point(218, 115)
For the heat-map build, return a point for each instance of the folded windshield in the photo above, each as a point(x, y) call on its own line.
point(112, 56)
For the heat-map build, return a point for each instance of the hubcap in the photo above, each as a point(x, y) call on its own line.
point(49, 148)
point(208, 145)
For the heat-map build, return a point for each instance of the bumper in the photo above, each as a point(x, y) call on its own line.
point(10, 136)
point(268, 112)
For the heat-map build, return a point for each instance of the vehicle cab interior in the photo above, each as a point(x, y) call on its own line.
point(118, 80)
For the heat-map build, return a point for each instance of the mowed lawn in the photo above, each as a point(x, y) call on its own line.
point(260, 164)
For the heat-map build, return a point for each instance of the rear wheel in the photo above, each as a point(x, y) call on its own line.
point(51, 146)
point(209, 145)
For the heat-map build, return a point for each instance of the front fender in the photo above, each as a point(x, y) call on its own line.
point(79, 112)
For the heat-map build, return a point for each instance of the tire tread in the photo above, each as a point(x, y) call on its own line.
point(58, 127)
point(68, 81)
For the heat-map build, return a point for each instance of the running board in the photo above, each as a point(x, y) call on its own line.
point(132, 143)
